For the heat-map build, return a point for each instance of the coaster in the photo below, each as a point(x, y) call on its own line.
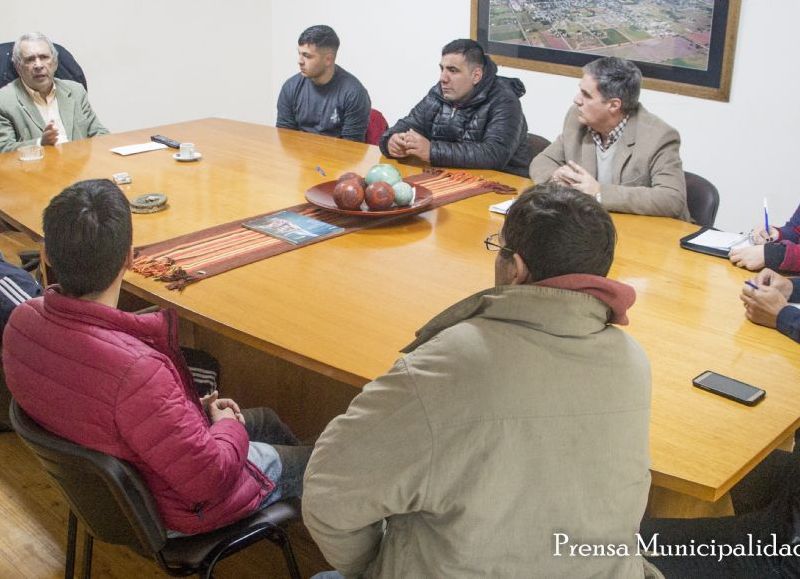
point(150, 203)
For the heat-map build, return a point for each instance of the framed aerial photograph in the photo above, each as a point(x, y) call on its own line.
point(681, 46)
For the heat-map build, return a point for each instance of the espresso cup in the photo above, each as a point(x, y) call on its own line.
point(31, 153)
point(187, 151)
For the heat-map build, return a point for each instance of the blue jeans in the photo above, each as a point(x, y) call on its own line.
point(277, 452)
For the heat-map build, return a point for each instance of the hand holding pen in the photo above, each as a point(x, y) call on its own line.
point(769, 278)
point(765, 296)
point(761, 235)
point(768, 281)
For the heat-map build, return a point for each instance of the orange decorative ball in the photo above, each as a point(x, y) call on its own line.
point(348, 194)
point(379, 196)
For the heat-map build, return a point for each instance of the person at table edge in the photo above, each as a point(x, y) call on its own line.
point(39, 109)
point(117, 382)
point(777, 249)
point(452, 464)
point(615, 149)
point(471, 118)
point(770, 302)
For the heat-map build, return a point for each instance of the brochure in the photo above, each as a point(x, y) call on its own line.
point(292, 227)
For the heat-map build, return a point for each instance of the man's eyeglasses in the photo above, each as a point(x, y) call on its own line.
point(492, 243)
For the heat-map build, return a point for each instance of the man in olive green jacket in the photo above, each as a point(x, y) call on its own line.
point(513, 430)
point(39, 109)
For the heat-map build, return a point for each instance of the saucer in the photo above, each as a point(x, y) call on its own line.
point(197, 157)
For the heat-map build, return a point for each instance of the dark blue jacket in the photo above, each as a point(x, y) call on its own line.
point(789, 317)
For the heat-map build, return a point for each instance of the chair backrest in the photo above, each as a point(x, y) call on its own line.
point(68, 67)
point(702, 198)
point(105, 493)
point(537, 143)
point(376, 127)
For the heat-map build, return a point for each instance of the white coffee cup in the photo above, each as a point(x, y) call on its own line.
point(31, 153)
point(187, 151)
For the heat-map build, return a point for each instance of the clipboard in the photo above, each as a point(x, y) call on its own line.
point(686, 243)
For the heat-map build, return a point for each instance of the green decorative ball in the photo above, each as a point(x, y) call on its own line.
point(403, 194)
point(383, 172)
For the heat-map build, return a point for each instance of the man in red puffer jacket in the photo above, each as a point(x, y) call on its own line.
point(116, 382)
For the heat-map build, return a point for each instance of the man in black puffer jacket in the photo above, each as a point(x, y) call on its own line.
point(472, 118)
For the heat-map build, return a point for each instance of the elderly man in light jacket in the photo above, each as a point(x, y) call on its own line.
point(39, 109)
point(514, 429)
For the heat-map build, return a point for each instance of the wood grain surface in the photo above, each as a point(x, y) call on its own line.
point(344, 307)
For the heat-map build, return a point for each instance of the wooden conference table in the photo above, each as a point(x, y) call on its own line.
point(341, 309)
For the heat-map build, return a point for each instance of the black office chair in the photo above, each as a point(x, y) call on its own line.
point(702, 198)
point(113, 504)
point(68, 67)
point(537, 143)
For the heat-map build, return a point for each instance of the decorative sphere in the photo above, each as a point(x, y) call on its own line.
point(403, 194)
point(348, 194)
point(350, 176)
point(379, 196)
point(383, 172)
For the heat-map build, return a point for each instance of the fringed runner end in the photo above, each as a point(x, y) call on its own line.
point(432, 175)
point(164, 269)
point(181, 282)
point(501, 188)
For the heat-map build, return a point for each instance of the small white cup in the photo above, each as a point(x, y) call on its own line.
point(187, 151)
point(31, 153)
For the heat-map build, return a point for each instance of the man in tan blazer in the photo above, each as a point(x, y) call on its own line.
point(613, 148)
point(37, 108)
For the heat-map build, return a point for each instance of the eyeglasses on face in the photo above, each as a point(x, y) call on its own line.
point(492, 243)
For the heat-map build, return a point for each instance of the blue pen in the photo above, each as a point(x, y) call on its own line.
point(751, 284)
point(766, 217)
point(320, 170)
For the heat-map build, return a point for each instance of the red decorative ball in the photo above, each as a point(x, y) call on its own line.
point(379, 196)
point(348, 195)
point(350, 176)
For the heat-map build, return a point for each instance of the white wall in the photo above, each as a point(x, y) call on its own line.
point(150, 63)
point(238, 53)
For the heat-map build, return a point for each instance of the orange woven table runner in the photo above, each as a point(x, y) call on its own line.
point(189, 258)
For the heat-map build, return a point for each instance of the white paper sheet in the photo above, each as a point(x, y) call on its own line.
point(501, 207)
point(140, 148)
point(721, 239)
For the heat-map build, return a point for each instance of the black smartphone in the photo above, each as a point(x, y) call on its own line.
point(729, 388)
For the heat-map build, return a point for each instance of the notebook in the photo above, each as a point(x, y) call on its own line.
point(714, 242)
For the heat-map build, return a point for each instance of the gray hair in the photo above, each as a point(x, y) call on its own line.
point(16, 56)
point(617, 78)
